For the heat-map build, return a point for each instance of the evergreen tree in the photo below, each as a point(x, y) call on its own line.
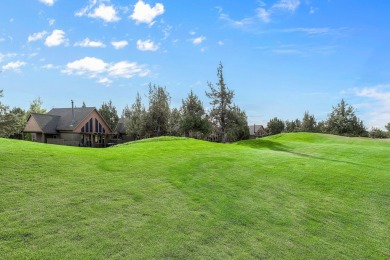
point(109, 113)
point(174, 123)
point(193, 116)
point(387, 127)
point(221, 100)
point(84, 105)
point(135, 119)
point(343, 121)
point(275, 126)
point(158, 113)
point(238, 123)
point(293, 126)
point(308, 123)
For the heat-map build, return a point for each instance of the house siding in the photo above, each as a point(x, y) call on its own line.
point(32, 126)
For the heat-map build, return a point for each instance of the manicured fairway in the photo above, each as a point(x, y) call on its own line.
point(287, 196)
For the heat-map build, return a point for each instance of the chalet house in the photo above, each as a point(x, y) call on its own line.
point(257, 131)
point(69, 126)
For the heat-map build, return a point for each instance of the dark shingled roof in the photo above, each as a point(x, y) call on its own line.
point(254, 128)
point(48, 123)
point(66, 117)
point(120, 127)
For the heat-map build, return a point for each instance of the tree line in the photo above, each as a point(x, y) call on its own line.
point(224, 122)
point(342, 120)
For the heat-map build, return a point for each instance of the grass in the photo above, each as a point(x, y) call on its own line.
point(286, 196)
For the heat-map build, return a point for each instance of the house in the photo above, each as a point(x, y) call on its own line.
point(69, 126)
point(120, 135)
point(256, 131)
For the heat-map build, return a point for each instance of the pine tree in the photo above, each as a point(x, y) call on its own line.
point(109, 113)
point(135, 119)
point(193, 118)
point(343, 121)
point(221, 100)
point(158, 112)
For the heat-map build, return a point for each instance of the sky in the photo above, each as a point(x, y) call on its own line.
point(280, 57)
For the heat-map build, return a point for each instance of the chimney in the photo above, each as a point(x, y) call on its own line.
point(73, 121)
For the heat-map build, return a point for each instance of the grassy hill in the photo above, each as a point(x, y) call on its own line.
point(286, 196)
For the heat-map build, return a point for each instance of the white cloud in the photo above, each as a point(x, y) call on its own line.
point(52, 22)
point(36, 36)
point(236, 23)
point(87, 66)
point(144, 13)
point(119, 44)
point(48, 66)
point(2, 39)
point(198, 40)
point(105, 81)
point(7, 55)
point(88, 43)
point(103, 71)
point(47, 2)
point(289, 5)
point(220, 43)
point(377, 103)
point(147, 45)
point(264, 15)
point(125, 69)
point(14, 65)
point(56, 38)
point(105, 12)
point(323, 30)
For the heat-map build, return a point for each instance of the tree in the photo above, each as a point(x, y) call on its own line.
point(11, 121)
point(239, 129)
point(388, 127)
point(343, 121)
point(158, 113)
point(84, 105)
point(109, 113)
point(221, 100)
point(174, 123)
point(293, 126)
point(377, 133)
point(135, 119)
point(36, 107)
point(193, 116)
point(275, 126)
point(308, 123)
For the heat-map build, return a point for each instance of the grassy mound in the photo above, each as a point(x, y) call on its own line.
point(286, 196)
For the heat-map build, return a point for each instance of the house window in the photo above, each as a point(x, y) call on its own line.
point(90, 125)
point(96, 126)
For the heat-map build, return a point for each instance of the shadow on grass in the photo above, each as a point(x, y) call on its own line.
point(275, 146)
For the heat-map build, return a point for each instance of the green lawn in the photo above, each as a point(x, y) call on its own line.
point(287, 196)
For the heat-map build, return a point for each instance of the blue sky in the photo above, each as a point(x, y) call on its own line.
point(281, 57)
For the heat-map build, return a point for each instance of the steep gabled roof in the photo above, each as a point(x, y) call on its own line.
point(47, 123)
point(120, 127)
point(254, 128)
point(66, 117)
